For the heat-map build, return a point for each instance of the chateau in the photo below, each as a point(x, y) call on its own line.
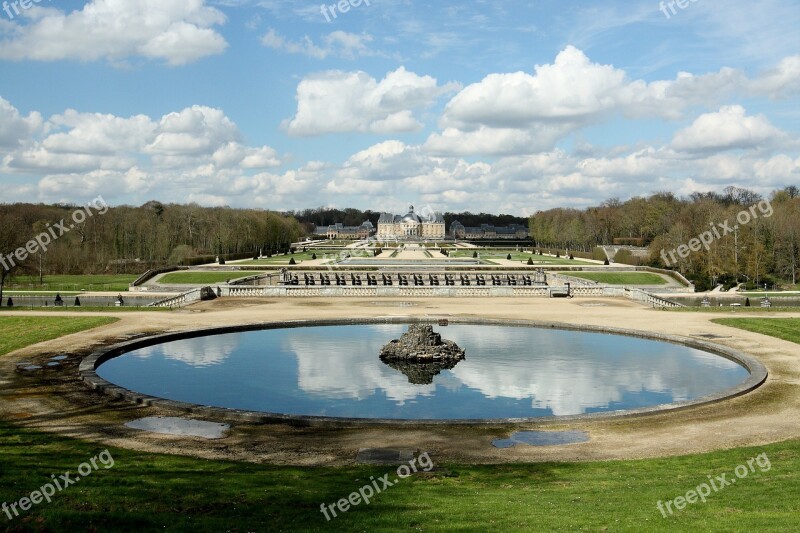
point(411, 226)
point(487, 231)
point(340, 231)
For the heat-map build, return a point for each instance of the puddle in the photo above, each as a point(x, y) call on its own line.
point(542, 438)
point(59, 358)
point(53, 364)
point(182, 427)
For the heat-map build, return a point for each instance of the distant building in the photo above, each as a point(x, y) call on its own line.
point(340, 231)
point(411, 226)
point(487, 231)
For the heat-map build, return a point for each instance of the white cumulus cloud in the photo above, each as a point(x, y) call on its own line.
point(729, 128)
point(174, 31)
point(337, 101)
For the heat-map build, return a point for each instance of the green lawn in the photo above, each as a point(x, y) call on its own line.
point(127, 308)
point(201, 278)
point(732, 310)
point(18, 332)
point(284, 259)
point(115, 283)
point(522, 257)
point(621, 278)
point(149, 492)
point(769, 294)
point(784, 328)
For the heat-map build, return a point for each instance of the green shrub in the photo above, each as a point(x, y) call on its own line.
point(626, 257)
point(598, 254)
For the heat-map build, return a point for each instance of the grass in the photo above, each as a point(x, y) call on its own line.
point(768, 294)
point(201, 278)
point(284, 259)
point(18, 332)
point(621, 278)
point(787, 329)
point(148, 492)
point(733, 310)
point(87, 309)
point(114, 283)
point(39, 293)
point(521, 257)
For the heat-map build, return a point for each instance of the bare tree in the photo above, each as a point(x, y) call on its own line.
point(12, 236)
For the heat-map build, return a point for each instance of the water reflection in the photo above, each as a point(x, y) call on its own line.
point(510, 372)
point(341, 369)
point(197, 352)
point(421, 373)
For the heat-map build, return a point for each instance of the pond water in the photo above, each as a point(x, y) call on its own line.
point(508, 372)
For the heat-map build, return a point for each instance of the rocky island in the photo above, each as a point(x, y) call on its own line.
point(421, 344)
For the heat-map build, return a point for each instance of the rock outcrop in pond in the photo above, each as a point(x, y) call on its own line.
point(421, 344)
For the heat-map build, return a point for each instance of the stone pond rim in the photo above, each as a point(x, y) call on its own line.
point(87, 373)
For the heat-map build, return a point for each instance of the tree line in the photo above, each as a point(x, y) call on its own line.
point(764, 249)
point(129, 239)
point(318, 219)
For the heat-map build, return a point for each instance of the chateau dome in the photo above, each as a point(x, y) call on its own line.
point(411, 216)
point(411, 226)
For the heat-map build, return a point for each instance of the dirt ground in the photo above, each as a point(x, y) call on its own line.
point(57, 401)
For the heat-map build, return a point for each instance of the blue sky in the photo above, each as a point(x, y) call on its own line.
point(490, 106)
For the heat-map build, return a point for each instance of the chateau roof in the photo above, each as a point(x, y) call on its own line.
point(411, 216)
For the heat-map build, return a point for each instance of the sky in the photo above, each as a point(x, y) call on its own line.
point(488, 106)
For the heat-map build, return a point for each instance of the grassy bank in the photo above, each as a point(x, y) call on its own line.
point(148, 492)
point(86, 309)
point(298, 257)
point(621, 278)
point(18, 332)
point(733, 310)
point(202, 278)
point(787, 329)
point(115, 283)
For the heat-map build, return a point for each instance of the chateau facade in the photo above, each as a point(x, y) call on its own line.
point(411, 226)
point(487, 231)
point(340, 231)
